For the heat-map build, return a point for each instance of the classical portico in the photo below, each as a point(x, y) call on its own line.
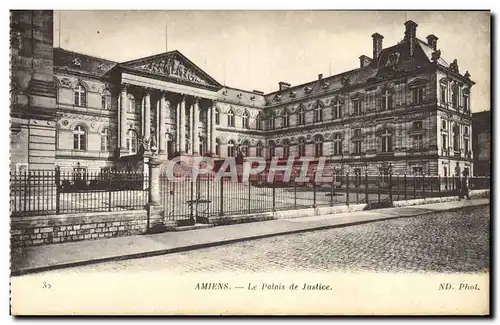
point(174, 105)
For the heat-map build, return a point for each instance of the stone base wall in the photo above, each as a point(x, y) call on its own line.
point(42, 230)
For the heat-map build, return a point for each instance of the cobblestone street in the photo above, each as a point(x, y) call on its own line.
point(456, 241)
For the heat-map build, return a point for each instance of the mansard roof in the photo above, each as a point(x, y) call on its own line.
point(243, 97)
point(82, 63)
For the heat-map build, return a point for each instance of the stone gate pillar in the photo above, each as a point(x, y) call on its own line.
point(155, 222)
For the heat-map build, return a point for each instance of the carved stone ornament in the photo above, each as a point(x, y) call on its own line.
point(93, 125)
point(173, 67)
point(66, 81)
point(65, 122)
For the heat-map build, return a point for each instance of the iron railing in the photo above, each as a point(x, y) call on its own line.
point(56, 192)
point(187, 202)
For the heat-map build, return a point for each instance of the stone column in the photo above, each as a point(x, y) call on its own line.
point(147, 116)
point(162, 129)
point(191, 128)
point(209, 129)
point(123, 118)
point(196, 119)
point(212, 124)
point(177, 126)
point(182, 120)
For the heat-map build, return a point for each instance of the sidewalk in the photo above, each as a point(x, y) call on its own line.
point(43, 258)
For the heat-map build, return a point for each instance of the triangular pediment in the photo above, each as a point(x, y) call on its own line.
point(174, 67)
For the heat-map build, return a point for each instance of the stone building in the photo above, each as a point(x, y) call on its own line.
point(405, 108)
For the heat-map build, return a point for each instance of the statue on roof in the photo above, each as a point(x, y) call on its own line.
point(454, 66)
point(436, 55)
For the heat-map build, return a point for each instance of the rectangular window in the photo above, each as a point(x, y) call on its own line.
point(417, 170)
point(417, 125)
point(445, 141)
point(357, 147)
point(417, 142)
point(443, 94)
point(466, 103)
point(443, 125)
point(418, 95)
point(357, 106)
point(466, 145)
point(357, 133)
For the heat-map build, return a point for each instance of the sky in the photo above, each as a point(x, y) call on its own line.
point(257, 49)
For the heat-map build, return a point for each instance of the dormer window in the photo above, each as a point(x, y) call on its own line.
point(224, 92)
point(77, 62)
point(239, 95)
point(278, 97)
point(308, 89)
point(392, 60)
point(325, 85)
point(293, 94)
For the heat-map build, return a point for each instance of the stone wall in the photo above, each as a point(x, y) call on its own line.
point(42, 230)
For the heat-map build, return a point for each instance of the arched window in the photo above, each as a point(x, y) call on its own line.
point(217, 147)
point(286, 119)
point(337, 109)
point(258, 122)
point(217, 116)
point(106, 100)
point(386, 141)
point(169, 145)
point(302, 147)
point(258, 149)
point(202, 145)
point(80, 95)
point(272, 149)
point(456, 137)
point(454, 97)
point(318, 145)
point(244, 120)
point(272, 121)
point(318, 113)
point(244, 148)
point(286, 148)
point(301, 116)
point(230, 118)
point(132, 142)
point(337, 144)
point(386, 100)
point(230, 148)
point(105, 140)
point(79, 138)
point(131, 104)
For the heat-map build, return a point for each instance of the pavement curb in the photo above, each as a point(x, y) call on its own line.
point(220, 243)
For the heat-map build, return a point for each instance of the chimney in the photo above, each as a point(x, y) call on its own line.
point(377, 45)
point(411, 35)
point(320, 76)
point(432, 41)
point(283, 85)
point(364, 61)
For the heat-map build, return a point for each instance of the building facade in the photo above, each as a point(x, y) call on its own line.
point(405, 108)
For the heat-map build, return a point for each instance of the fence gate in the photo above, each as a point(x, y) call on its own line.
point(187, 202)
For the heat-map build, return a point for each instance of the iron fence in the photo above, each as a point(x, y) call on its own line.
point(187, 202)
point(56, 192)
